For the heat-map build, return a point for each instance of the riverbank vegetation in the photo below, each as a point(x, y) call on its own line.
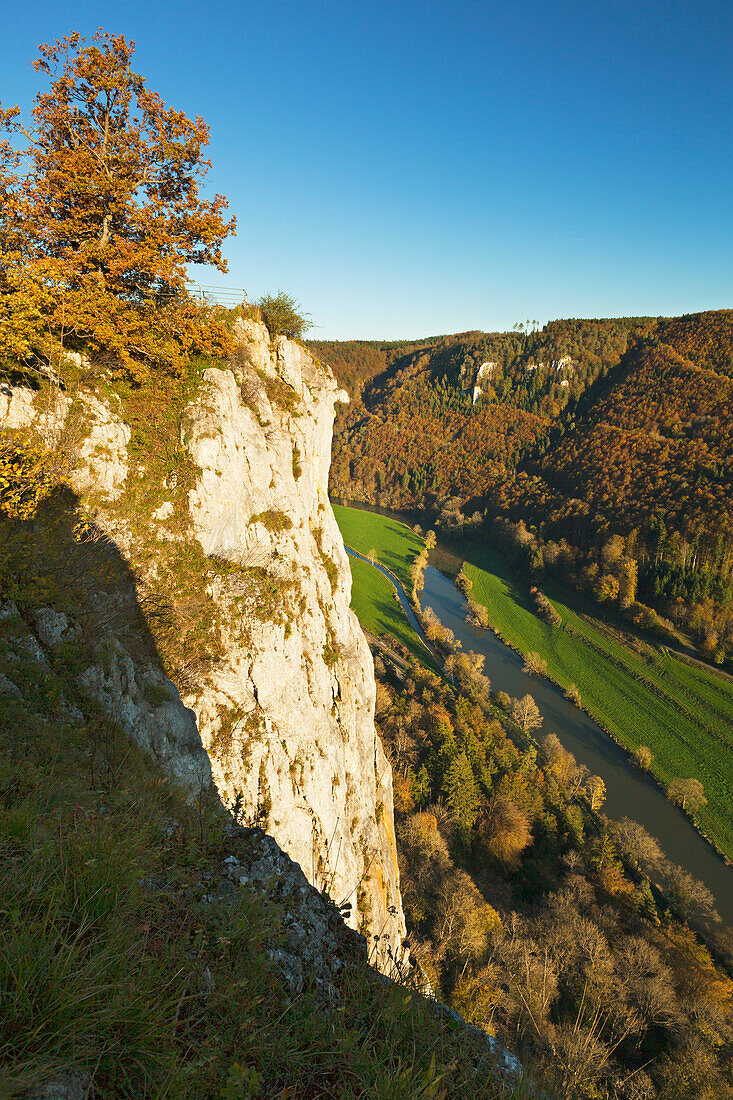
point(377, 608)
point(640, 692)
point(565, 935)
point(680, 714)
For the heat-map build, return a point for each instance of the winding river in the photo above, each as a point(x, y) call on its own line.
point(629, 791)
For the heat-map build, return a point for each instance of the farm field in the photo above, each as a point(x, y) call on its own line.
point(643, 695)
point(396, 546)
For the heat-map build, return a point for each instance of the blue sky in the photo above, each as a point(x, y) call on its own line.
point(406, 169)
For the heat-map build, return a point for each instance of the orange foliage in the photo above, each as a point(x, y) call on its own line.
point(101, 212)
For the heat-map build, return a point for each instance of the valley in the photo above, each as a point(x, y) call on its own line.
point(616, 685)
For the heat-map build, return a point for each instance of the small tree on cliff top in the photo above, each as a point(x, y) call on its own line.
point(100, 212)
point(283, 315)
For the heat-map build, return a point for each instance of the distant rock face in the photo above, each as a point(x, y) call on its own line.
point(483, 378)
point(288, 715)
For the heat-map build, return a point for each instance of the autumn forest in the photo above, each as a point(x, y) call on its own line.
point(596, 450)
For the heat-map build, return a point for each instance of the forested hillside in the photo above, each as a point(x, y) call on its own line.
point(535, 916)
point(357, 362)
point(583, 432)
point(456, 414)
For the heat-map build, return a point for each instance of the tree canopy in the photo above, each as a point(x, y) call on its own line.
point(101, 210)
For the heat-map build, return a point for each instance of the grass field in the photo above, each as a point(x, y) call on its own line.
point(372, 594)
point(373, 600)
point(645, 696)
point(396, 546)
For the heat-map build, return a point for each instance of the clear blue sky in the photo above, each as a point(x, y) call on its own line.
point(407, 168)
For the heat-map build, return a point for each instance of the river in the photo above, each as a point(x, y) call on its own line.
point(629, 791)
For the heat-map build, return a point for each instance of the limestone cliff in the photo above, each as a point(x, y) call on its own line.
point(288, 715)
point(284, 697)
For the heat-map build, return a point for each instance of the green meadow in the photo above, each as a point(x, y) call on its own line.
point(642, 695)
point(395, 545)
point(373, 600)
point(372, 594)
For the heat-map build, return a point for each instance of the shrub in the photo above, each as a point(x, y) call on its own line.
point(328, 563)
point(534, 665)
point(573, 694)
point(283, 316)
point(477, 614)
point(643, 756)
point(503, 701)
point(463, 583)
point(28, 473)
point(545, 610)
point(687, 793)
point(273, 521)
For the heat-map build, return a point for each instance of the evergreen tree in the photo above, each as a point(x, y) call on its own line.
point(461, 791)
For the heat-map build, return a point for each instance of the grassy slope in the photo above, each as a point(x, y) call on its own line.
point(684, 714)
point(149, 989)
point(395, 544)
point(372, 594)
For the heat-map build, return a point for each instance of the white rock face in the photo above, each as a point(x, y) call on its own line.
point(483, 376)
point(103, 454)
point(20, 407)
point(288, 716)
point(165, 729)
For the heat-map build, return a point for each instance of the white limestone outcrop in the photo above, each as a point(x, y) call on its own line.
point(288, 715)
point(285, 713)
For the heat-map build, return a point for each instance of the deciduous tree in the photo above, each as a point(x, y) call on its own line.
point(688, 793)
point(526, 714)
point(102, 211)
point(643, 756)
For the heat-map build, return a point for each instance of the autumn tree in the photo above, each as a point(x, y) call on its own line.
point(525, 713)
point(643, 756)
point(595, 789)
point(688, 793)
point(504, 831)
point(534, 665)
point(558, 760)
point(606, 588)
point(627, 577)
point(102, 211)
point(464, 921)
point(572, 694)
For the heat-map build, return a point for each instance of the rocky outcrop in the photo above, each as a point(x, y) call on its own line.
point(288, 715)
point(102, 457)
point(138, 697)
point(284, 712)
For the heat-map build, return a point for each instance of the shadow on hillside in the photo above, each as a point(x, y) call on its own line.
point(491, 561)
point(79, 597)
